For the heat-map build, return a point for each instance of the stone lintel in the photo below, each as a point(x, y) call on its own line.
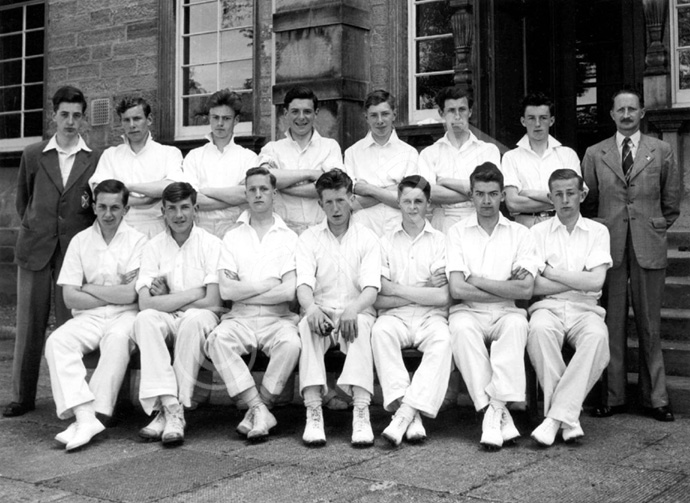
point(325, 89)
point(668, 119)
point(321, 15)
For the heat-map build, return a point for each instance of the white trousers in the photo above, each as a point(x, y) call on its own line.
point(187, 330)
point(581, 326)
point(65, 349)
point(358, 369)
point(277, 337)
point(428, 386)
point(489, 349)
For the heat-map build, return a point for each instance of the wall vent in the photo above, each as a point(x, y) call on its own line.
point(100, 112)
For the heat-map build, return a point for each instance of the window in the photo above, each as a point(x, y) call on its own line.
point(215, 51)
point(431, 54)
point(680, 47)
point(21, 73)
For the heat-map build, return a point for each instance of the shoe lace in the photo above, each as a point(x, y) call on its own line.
point(360, 422)
point(314, 415)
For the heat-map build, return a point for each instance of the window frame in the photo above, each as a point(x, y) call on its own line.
point(19, 143)
point(679, 97)
point(415, 115)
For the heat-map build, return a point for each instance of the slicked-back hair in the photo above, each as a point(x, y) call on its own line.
point(224, 97)
point(566, 174)
point(333, 180)
point(131, 102)
point(178, 191)
point(300, 93)
point(112, 186)
point(261, 171)
point(68, 94)
point(377, 97)
point(627, 90)
point(486, 172)
point(453, 93)
point(537, 100)
point(415, 182)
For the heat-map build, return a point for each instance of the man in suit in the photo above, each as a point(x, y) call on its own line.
point(633, 185)
point(54, 203)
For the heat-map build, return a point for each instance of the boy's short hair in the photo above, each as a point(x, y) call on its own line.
point(452, 93)
point(486, 172)
point(300, 93)
point(68, 94)
point(566, 174)
point(178, 191)
point(131, 102)
point(333, 180)
point(537, 100)
point(377, 97)
point(112, 186)
point(261, 171)
point(224, 97)
point(415, 182)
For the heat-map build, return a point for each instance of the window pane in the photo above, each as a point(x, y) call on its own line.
point(236, 44)
point(237, 13)
point(11, 20)
point(11, 99)
point(11, 73)
point(199, 79)
point(683, 27)
point(236, 75)
point(33, 97)
point(435, 55)
point(684, 69)
point(428, 86)
point(34, 43)
point(202, 49)
point(34, 70)
point(433, 19)
point(35, 16)
point(193, 110)
point(33, 123)
point(11, 46)
point(247, 113)
point(10, 126)
point(202, 17)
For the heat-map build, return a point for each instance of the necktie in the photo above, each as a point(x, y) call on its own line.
point(626, 154)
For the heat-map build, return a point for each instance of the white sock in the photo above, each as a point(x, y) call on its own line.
point(85, 412)
point(361, 397)
point(312, 396)
point(251, 397)
point(168, 400)
point(406, 411)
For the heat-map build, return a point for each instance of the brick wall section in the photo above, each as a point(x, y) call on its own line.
point(107, 48)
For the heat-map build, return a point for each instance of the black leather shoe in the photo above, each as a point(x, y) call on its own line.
point(662, 413)
point(17, 409)
point(608, 410)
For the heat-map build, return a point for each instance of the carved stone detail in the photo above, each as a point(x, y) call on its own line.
point(462, 22)
point(656, 59)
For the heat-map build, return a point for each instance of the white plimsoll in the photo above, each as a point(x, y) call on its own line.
point(314, 434)
point(173, 433)
point(396, 429)
point(492, 438)
point(263, 421)
point(154, 430)
point(545, 433)
point(362, 434)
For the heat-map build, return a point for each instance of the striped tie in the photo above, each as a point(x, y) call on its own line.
point(627, 157)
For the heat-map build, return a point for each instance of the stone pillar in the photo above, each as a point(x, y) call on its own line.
point(462, 22)
point(657, 77)
point(325, 46)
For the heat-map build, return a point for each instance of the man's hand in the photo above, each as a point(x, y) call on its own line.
point(319, 322)
point(519, 273)
point(125, 279)
point(347, 326)
point(159, 286)
point(438, 278)
point(387, 287)
point(362, 188)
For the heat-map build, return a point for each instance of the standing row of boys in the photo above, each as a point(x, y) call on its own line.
point(152, 270)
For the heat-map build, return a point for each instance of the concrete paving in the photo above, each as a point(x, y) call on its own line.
point(626, 458)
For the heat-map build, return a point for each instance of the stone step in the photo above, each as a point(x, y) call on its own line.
point(678, 238)
point(676, 292)
point(676, 357)
point(678, 392)
point(675, 325)
point(678, 263)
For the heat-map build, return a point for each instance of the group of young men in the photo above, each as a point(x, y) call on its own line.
point(294, 251)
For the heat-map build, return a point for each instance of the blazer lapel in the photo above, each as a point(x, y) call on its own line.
point(645, 155)
point(78, 168)
point(51, 165)
point(612, 158)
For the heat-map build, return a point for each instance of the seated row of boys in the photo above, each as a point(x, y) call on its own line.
point(341, 274)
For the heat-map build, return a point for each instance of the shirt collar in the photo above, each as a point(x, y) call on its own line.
point(210, 143)
point(551, 143)
point(192, 235)
point(315, 136)
point(370, 142)
point(149, 140)
point(473, 221)
point(556, 223)
point(635, 138)
point(446, 139)
point(428, 229)
point(122, 228)
point(53, 145)
point(278, 223)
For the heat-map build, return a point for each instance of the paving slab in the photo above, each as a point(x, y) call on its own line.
point(14, 491)
point(152, 476)
point(678, 493)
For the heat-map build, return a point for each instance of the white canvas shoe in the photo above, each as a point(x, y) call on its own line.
point(545, 433)
point(314, 434)
point(154, 430)
point(84, 432)
point(245, 425)
point(362, 434)
point(66, 435)
point(572, 433)
point(262, 422)
point(415, 431)
point(508, 430)
point(396, 429)
point(492, 439)
point(173, 433)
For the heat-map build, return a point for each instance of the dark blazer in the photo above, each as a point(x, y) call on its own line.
point(650, 203)
point(50, 213)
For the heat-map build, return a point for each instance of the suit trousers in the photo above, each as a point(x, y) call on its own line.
point(277, 337)
point(33, 309)
point(582, 326)
point(187, 330)
point(428, 386)
point(358, 369)
point(65, 349)
point(647, 288)
point(489, 349)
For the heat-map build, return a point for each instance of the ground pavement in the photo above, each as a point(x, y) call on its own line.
point(626, 458)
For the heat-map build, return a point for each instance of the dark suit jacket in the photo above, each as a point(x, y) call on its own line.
point(649, 204)
point(50, 213)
